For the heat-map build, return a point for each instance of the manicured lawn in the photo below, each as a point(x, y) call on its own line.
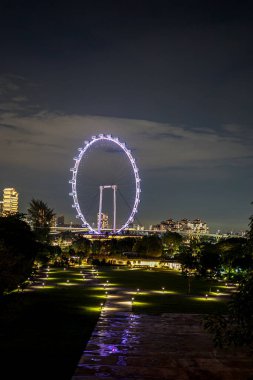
point(44, 329)
point(175, 298)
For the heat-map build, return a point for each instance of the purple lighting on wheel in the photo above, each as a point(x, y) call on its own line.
point(74, 170)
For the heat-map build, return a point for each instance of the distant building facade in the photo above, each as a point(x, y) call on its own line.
point(60, 221)
point(104, 221)
point(10, 201)
point(183, 225)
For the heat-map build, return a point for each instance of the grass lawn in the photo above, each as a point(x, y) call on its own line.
point(44, 329)
point(174, 298)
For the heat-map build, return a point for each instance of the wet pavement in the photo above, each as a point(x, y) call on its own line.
point(128, 346)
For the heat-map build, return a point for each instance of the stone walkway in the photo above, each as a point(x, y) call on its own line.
point(149, 347)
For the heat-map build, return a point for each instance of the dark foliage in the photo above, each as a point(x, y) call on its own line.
point(236, 327)
point(18, 249)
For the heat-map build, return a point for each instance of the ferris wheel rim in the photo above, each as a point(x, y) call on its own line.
point(87, 145)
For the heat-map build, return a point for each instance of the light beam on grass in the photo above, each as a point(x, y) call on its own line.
point(67, 284)
point(139, 303)
point(208, 299)
point(163, 292)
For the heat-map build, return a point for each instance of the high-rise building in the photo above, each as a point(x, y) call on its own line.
point(10, 201)
point(104, 221)
point(60, 221)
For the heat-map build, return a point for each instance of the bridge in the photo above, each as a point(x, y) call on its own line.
point(134, 232)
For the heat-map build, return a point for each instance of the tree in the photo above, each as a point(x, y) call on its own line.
point(234, 256)
point(172, 241)
point(82, 247)
point(235, 328)
point(41, 217)
point(96, 247)
point(18, 249)
point(209, 261)
point(188, 261)
point(126, 244)
point(149, 246)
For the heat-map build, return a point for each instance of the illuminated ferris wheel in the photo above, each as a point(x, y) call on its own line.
point(105, 185)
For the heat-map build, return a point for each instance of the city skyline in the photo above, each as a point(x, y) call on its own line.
point(173, 81)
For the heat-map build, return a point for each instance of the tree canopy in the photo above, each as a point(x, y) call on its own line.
point(41, 217)
point(149, 246)
point(18, 249)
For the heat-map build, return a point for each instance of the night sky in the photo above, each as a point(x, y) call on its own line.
point(172, 79)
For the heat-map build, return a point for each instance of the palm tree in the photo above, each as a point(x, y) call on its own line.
point(41, 217)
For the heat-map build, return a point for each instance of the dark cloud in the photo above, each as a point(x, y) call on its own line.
point(12, 127)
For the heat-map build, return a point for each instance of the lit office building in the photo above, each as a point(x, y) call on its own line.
point(104, 221)
point(10, 201)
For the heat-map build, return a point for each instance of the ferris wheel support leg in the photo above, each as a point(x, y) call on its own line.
point(100, 208)
point(114, 208)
